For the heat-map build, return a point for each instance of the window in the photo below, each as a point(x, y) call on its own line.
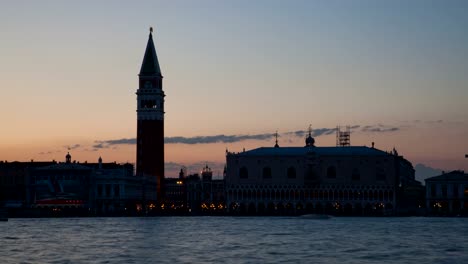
point(99, 190)
point(291, 173)
point(267, 173)
point(466, 192)
point(455, 190)
point(117, 190)
point(355, 176)
point(108, 190)
point(380, 174)
point(331, 172)
point(433, 190)
point(310, 174)
point(148, 104)
point(243, 173)
point(148, 84)
point(444, 191)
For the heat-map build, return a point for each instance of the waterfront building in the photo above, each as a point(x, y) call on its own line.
point(195, 194)
point(150, 119)
point(175, 193)
point(65, 185)
point(447, 193)
point(212, 192)
point(14, 182)
point(86, 188)
point(118, 191)
point(338, 180)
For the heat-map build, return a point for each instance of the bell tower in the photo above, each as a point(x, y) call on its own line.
point(150, 119)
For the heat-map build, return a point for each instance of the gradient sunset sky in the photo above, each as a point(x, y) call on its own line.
point(234, 73)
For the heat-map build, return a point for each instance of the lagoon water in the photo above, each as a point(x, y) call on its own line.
point(234, 240)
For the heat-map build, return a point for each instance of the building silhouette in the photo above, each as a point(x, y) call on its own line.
point(15, 182)
point(73, 188)
point(150, 120)
point(447, 194)
point(310, 179)
point(195, 194)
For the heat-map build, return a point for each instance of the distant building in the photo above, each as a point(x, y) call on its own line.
point(194, 194)
point(176, 193)
point(14, 182)
point(341, 180)
point(118, 191)
point(64, 185)
point(212, 192)
point(74, 188)
point(447, 193)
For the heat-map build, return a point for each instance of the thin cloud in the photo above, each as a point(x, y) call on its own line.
point(215, 139)
point(123, 141)
point(317, 132)
point(187, 140)
point(72, 147)
point(45, 153)
point(90, 150)
point(221, 138)
point(435, 121)
point(100, 146)
point(173, 165)
point(379, 129)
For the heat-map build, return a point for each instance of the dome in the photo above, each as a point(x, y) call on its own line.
point(310, 141)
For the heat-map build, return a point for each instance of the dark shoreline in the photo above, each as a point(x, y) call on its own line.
point(167, 214)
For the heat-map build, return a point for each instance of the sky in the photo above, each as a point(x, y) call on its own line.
point(234, 73)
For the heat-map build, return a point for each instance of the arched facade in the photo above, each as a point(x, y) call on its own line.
point(351, 199)
point(342, 180)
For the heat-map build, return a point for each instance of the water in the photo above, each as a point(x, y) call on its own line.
point(234, 240)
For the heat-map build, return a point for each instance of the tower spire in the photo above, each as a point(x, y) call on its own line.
point(150, 65)
point(276, 141)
